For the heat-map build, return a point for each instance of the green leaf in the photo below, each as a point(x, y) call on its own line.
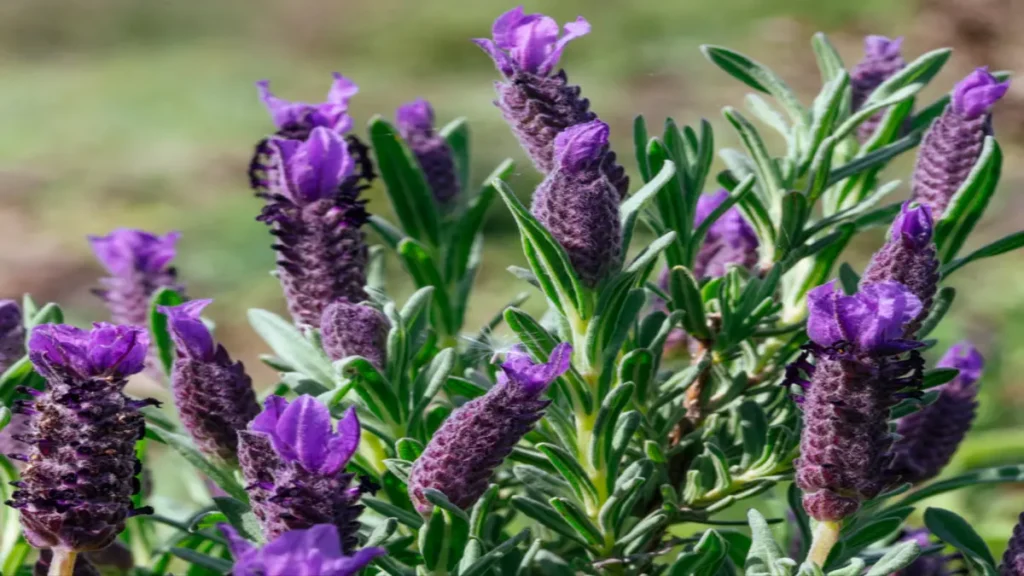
point(548, 260)
point(825, 113)
point(51, 313)
point(871, 107)
point(478, 516)
point(547, 516)
point(472, 222)
point(388, 510)
point(758, 77)
point(941, 305)
point(956, 532)
point(218, 565)
point(764, 550)
point(291, 346)
point(435, 376)
point(920, 71)
point(706, 559)
point(457, 522)
point(10, 529)
point(644, 528)
point(993, 475)
point(158, 326)
point(408, 449)
point(423, 269)
point(768, 175)
point(686, 297)
point(640, 146)
point(1001, 246)
point(406, 186)
point(969, 203)
point(372, 387)
point(456, 133)
point(578, 519)
point(897, 558)
point(485, 562)
point(571, 470)
point(540, 343)
point(629, 211)
point(182, 445)
point(432, 541)
point(764, 112)
point(848, 278)
point(604, 425)
point(381, 533)
point(240, 517)
point(874, 159)
point(830, 63)
point(795, 212)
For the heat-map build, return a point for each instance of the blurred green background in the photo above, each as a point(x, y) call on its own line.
point(142, 113)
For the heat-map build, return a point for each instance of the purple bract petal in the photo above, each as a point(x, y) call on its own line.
point(579, 146)
point(332, 114)
point(872, 317)
point(266, 422)
point(314, 169)
point(822, 327)
point(881, 48)
point(964, 357)
point(536, 377)
point(977, 93)
point(107, 350)
point(125, 251)
point(529, 42)
point(315, 551)
point(914, 224)
point(417, 115)
point(301, 432)
point(190, 334)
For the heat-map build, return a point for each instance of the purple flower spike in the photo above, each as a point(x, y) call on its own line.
point(139, 264)
point(480, 434)
point(909, 258)
point(332, 114)
point(416, 124)
point(321, 250)
point(930, 436)
point(1013, 558)
point(730, 241)
point(212, 393)
point(882, 60)
point(76, 491)
point(294, 463)
point(861, 367)
point(348, 329)
point(537, 104)
point(311, 552)
point(12, 334)
point(953, 144)
point(579, 205)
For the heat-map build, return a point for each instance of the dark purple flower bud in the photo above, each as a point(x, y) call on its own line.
point(139, 264)
point(909, 258)
point(882, 59)
point(332, 114)
point(348, 329)
point(537, 104)
point(12, 334)
point(730, 241)
point(1013, 558)
point(858, 375)
point(212, 393)
point(416, 124)
point(953, 144)
point(321, 250)
point(578, 204)
point(480, 434)
point(76, 492)
point(930, 437)
point(295, 466)
point(311, 552)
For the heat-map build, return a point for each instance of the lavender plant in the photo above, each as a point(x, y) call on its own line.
point(595, 443)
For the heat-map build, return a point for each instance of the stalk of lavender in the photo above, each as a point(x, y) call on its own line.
point(316, 216)
point(139, 264)
point(295, 121)
point(312, 552)
point(212, 393)
point(882, 59)
point(909, 258)
point(537, 104)
point(930, 437)
point(953, 144)
point(416, 124)
point(348, 329)
point(1013, 558)
point(579, 205)
point(860, 371)
point(480, 434)
point(295, 466)
point(76, 492)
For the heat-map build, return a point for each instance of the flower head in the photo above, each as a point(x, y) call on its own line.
point(975, 95)
point(579, 205)
point(349, 329)
point(125, 251)
point(106, 351)
point(882, 59)
point(529, 42)
point(1013, 558)
point(730, 240)
point(301, 432)
point(12, 334)
point(873, 319)
point(311, 552)
point(315, 168)
point(331, 114)
point(190, 334)
point(476, 438)
point(416, 124)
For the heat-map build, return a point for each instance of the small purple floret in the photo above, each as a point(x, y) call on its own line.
point(331, 114)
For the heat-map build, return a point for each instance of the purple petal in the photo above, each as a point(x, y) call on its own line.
point(266, 421)
point(534, 378)
point(877, 313)
point(303, 432)
point(315, 168)
point(533, 38)
point(977, 93)
point(964, 357)
point(416, 116)
point(503, 29)
point(238, 546)
point(708, 203)
point(126, 251)
point(342, 445)
point(573, 30)
point(881, 48)
point(501, 60)
point(190, 334)
point(117, 350)
point(914, 225)
point(351, 565)
point(822, 324)
point(580, 145)
point(281, 111)
point(53, 347)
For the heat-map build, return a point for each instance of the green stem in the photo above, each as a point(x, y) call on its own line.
point(826, 535)
point(63, 562)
